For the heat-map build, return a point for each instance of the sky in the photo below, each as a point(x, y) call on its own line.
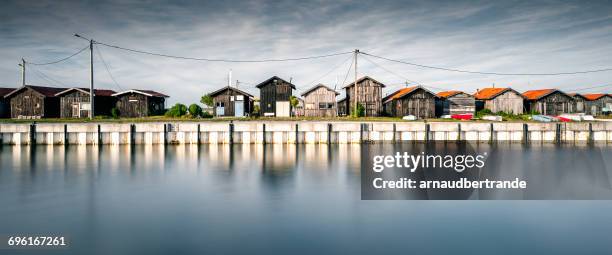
point(485, 36)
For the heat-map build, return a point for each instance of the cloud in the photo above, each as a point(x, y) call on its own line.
point(484, 36)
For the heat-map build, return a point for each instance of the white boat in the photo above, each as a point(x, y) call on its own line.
point(492, 118)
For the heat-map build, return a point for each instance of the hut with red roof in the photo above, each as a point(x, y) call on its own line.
point(5, 104)
point(454, 102)
point(34, 102)
point(417, 101)
point(548, 101)
point(140, 103)
point(75, 102)
point(598, 104)
point(499, 100)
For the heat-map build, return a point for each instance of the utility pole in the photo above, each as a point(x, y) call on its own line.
point(91, 85)
point(23, 81)
point(356, 95)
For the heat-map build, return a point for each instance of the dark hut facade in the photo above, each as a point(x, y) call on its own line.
point(34, 102)
point(275, 94)
point(232, 102)
point(140, 103)
point(75, 102)
point(416, 101)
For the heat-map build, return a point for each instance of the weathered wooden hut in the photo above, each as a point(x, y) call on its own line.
point(140, 103)
point(598, 104)
point(74, 102)
point(369, 94)
point(34, 102)
point(499, 100)
point(579, 105)
point(548, 101)
point(232, 102)
point(5, 104)
point(454, 102)
point(320, 101)
point(342, 104)
point(417, 101)
point(274, 97)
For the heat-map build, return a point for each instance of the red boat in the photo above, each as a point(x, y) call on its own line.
point(563, 119)
point(466, 116)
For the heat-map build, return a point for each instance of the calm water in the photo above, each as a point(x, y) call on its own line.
point(292, 200)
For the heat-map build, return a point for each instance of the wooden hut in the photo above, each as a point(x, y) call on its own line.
point(579, 105)
point(548, 101)
point(341, 104)
point(369, 94)
point(140, 103)
point(274, 97)
point(232, 102)
point(320, 101)
point(416, 101)
point(5, 104)
point(34, 102)
point(499, 100)
point(598, 104)
point(455, 102)
point(74, 102)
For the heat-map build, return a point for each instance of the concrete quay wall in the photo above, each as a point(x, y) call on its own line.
point(275, 132)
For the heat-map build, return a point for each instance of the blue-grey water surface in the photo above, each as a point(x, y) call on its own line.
point(287, 199)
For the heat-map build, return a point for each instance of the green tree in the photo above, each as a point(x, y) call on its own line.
point(115, 112)
point(293, 100)
point(195, 110)
point(207, 100)
point(360, 111)
point(177, 110)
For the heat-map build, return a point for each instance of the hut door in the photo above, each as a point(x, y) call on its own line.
point(76, 111)
point(239, 106)
point(220, 109)
point(282, 109)
point(593, 110)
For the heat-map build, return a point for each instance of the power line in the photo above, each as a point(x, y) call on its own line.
point(47, 78)
point(594, 87)
point(489, 73)
point(108, 70)
point(347, 74)
point(330, 71)
point(59, 60)
point(401, 76)
point(221, 60)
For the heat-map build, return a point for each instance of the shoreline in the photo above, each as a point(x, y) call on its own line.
point(308, 132)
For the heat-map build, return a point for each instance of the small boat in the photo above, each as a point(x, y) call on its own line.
point(492, 118)
point(466, 116)
point(543, 118)
point(572, 117)
point(409, 117)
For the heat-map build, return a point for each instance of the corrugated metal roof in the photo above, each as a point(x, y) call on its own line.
point(362, 79)
point(399, 93)
point(450, 93)
point(316, 87)
point(142, 91)
point(592, 97)
point(5, 91)
point(537, 93)
point(45, 91)
point(97, 92)
point(489, 93)
point(272, 78)
point(216, 92)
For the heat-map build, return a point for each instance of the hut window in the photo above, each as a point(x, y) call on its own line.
point(232, 98)
point(326, 105)
point(220, 104)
